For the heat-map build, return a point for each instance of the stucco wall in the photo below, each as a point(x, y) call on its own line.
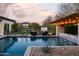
point(9, 22)
point(25, 24)
point(59, 29)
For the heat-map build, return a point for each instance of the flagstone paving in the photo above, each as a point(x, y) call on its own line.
point(57, 51)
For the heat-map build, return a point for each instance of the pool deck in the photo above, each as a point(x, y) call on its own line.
point(1, 36)
point(59, 51)
point(27, 52)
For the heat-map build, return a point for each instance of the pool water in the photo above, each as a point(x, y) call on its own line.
point(16, 46)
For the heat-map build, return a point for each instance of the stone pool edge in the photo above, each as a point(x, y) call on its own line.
point(27, 52)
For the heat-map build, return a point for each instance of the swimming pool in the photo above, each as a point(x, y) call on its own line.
point(16, 46)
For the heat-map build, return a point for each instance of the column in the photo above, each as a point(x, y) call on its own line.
point(78, 34)
point(78, 30)
point(1, 28)
point(10, 28)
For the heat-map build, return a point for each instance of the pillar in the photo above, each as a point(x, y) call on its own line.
point(78, 30)
point(78, 34)
point(1, 28)
point(10, 28)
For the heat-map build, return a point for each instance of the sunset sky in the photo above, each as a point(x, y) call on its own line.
point(24, 12)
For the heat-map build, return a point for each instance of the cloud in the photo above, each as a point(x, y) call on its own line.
point(46, 13)
point(28, 12)
point(3, 7)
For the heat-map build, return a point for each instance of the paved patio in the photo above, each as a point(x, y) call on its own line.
point(56, 51)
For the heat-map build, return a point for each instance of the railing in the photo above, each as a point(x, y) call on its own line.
point(69, 37)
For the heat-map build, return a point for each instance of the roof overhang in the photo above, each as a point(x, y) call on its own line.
point(4, 18)
point(70, 19)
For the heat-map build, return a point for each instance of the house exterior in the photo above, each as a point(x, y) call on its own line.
point(44, 29)
point(5, 25)
point(67, 20)
point(25, 24)
point(70, 19)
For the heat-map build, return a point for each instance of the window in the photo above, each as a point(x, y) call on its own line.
point(71, 29)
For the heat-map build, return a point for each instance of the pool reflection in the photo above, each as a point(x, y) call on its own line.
point(6, 43)
point(33, 38)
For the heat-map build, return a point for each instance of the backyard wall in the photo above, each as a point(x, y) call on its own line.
point(59, 29)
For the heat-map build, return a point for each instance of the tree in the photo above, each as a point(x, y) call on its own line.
point(34, 26)
point(67, 9)
point(46, 22)
point(18, 28)
point(52, 28)
point(14, 27)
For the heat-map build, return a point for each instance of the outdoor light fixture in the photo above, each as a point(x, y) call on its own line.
point(78, 20)
point(62, 22)
point(69, 20)
point(73, 21)
point(76, 17)
point(66, 21)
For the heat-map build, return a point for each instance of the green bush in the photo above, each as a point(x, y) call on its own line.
point(52, 29)
point(71, 29)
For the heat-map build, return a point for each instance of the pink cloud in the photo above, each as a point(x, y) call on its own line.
point(28, 12)
point(46, 13)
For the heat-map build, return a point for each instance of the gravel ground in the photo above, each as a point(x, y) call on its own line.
point(56, 51)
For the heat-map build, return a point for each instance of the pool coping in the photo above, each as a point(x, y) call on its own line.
point(28, 50)
point(25, 36)
point(28, 36)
